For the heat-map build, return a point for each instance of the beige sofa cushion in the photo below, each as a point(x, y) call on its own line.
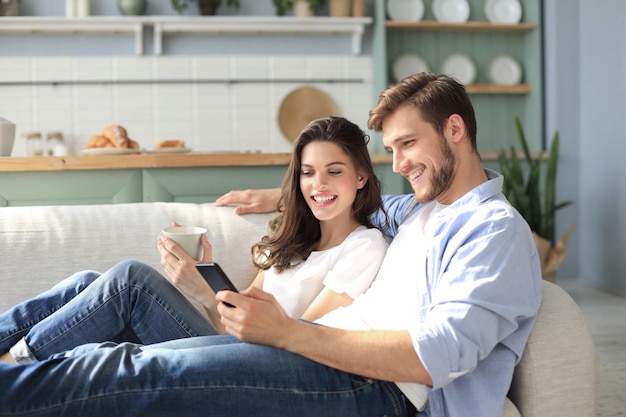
point(42, 245)
point(556, 376)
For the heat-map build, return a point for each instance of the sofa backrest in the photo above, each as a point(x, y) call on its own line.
point(41, 245)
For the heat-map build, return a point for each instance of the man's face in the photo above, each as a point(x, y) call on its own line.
point(420, 153)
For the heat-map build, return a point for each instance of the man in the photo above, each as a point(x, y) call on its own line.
point(451, 308)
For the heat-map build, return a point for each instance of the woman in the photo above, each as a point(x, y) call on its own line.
point(311, 262)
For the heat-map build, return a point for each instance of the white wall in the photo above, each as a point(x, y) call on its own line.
point(586, 102)
point(562, 89)
point(218, 93)
point(214, 103)
point(603, 142)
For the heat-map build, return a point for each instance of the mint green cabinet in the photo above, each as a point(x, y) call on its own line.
point(109, 186)
point(203, 184)
point(37, 188)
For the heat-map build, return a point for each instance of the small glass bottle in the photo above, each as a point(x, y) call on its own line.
point(82, 8)
point(34, 146)
point(70, 8)
point(54, 143)
point(359, 8)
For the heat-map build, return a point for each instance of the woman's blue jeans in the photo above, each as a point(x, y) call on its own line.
point(130, 302)
point(194, 376)
point(201, 376)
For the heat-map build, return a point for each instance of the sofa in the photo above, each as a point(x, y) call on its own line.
point(41, 245)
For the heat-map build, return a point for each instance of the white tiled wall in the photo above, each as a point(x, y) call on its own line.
point(214, 103)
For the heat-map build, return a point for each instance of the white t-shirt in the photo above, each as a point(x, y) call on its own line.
point(407, 253)
point(349, 267)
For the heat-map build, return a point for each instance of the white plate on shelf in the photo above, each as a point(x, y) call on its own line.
point(461, 67)
point(109, 151)
point(451, 11)
point(503, 11)
point(409, 10)
point(505, 70)
point(408, 64)
point(167, 150)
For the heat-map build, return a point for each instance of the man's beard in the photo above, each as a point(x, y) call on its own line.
point(441, 178)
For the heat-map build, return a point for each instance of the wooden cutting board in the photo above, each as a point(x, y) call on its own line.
point(300, 107)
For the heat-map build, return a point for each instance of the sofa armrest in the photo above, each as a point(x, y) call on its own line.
point(557, 373)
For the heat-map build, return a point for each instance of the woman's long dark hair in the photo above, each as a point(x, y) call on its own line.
point(295, 230)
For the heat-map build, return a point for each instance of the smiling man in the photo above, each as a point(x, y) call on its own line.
point(438, 332)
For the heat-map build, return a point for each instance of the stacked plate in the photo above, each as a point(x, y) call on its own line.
point(503, 11)
point(408, 64)
point(461, 67)
point(505, 70)
point(409, 10)
point(451, 11)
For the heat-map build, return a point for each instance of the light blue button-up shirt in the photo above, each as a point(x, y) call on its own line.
point(478, 300)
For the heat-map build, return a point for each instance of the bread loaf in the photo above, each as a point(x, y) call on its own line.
point(117, 135)
point(113, 136)
point(170, 143)
point(133, 144)
point(99, 141)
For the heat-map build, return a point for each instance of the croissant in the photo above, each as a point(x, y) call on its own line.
point(170, 143)
point(117, 135)
point(99, 141)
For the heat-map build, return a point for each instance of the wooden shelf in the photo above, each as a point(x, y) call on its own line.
point(42, 25)
point(429, 25)
point(351, 26)
point(497, 89)
point(210, 25)
point(151, 160)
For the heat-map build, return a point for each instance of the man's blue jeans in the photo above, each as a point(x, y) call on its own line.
point(202, 376)
point(130, 302)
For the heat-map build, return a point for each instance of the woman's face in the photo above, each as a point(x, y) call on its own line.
point(329, 181)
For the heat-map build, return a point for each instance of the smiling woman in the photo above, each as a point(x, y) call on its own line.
point(310, 268)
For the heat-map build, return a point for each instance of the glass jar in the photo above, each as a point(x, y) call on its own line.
point(83, 8)
point(34, 145)
point(70, 8)
point(53, 141)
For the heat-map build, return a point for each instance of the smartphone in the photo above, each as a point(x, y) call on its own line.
point(216, 278)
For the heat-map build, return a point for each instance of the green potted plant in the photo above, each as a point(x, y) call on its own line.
point(300, 7)
point(207, 7)
point(534, 199)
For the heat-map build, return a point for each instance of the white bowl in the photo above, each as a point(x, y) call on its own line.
point(503, 11)
point(505, 70)
point(7, 137)
point(461, 67)
point(409, 10)
point(408, 64)
point(451, 11)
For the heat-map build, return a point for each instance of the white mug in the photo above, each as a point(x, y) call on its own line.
point(189, 238)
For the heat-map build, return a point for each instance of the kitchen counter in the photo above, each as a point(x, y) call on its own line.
point(151, 160)
point(184, 177)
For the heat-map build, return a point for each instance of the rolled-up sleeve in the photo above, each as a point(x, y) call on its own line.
point(482, 294)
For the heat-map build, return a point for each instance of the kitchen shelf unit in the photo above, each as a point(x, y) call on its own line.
point(461, 27)
point(482, 41)
point(353, 27)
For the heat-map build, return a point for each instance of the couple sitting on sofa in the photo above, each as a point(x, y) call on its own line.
point(459, 325)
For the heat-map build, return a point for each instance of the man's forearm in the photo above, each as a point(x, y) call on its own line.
point(380, 354)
